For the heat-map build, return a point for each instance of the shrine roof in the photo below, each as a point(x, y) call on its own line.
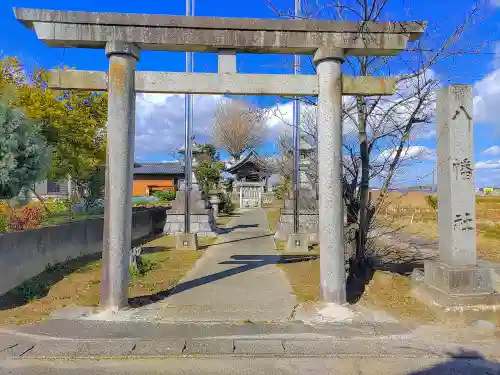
point(250, 158)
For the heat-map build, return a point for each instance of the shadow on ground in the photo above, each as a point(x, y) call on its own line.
point(389, 258)
point(230, 229)
point(159, 249)
point(465, 362)
point(39, 286)
point(243, 238)
point(403, 261)
point(245, 262)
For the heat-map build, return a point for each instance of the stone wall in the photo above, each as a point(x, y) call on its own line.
point(26, 254)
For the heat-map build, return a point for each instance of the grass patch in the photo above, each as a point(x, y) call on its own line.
point(386, 291)
point(280, 245)
point(223, 219)
point(77, 282)
point(66, 217)
point(273, 217)
point(278, 203)
point(392, 293)
point(303, 276)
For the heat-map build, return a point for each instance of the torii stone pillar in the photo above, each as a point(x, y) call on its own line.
point(119, 174)
point(331, 205)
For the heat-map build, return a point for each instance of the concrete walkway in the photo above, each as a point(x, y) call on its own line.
point(235, 280)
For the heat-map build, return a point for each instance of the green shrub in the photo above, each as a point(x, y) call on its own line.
point(31, 290)
point(229, 207)
point(58, 205)
point(432, 201)
point(95, 187)
point(208, 174)
point(4, 217)
point(165, 195)
point(227, 184)
point(281, 190)
point(144, 265)
point(226, 206)
point(4, 222)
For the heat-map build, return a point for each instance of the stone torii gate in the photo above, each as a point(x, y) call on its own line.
point(123, 36)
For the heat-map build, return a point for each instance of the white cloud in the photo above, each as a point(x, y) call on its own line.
point(487, 98)
point(427, 134)
point(281, 118)
point(160, 122)
point(496, 58)
point(493, 150)
point(424, 131)
point(495, 3)
point(488, 164)
point(393, 112)
point(411, 152)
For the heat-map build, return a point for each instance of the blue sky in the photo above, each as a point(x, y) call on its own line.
point(160, 117)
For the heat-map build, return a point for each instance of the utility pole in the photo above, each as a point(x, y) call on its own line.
point(188, 129)
point(296, 137)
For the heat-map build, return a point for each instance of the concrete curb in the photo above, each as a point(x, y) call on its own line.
point(61, 329)
point(22, 348)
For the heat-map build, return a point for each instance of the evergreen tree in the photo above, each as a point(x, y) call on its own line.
point(23, 152)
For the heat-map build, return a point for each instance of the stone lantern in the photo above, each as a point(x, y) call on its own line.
point(305, 152)
point(197, 155)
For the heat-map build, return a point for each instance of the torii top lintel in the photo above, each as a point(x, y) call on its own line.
point(211, 34)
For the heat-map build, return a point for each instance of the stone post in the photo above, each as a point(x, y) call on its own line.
point(457, 278)
point(331, 205)
point(119, 173)
point(456, 188)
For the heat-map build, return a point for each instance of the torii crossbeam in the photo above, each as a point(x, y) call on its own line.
point(223, 83)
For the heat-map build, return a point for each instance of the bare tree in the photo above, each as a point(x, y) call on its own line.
point(284, 159)
point(378, 131)
point(238, 127)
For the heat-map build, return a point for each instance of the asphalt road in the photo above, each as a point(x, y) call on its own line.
point(252, 366)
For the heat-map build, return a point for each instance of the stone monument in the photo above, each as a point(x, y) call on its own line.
point(456, 278)
point(202, 218)
point(201, 215)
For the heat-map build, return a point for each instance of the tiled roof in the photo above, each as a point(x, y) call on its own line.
point(251, 156)
point(158, 168)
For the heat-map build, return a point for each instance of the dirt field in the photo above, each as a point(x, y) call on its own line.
point(413, 214)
